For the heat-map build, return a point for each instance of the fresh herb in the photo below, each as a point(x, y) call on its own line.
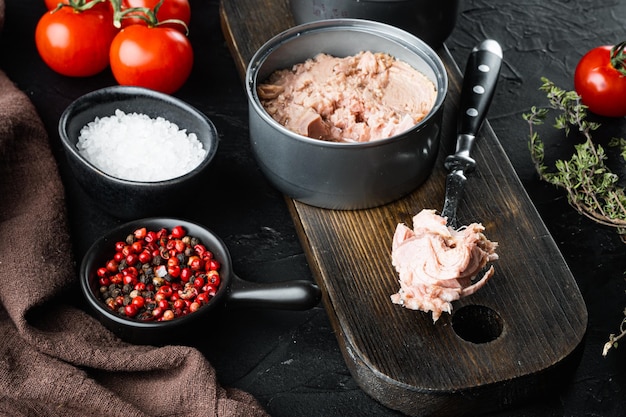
point(592, 188)
point(612, 343)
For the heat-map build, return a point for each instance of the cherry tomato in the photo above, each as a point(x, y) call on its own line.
point(52, 4)
point(75, 43)
point(170, 9)
point(158, 58)
point(600, 80)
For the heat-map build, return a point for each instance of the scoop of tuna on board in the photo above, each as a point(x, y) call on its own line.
point(438, 264)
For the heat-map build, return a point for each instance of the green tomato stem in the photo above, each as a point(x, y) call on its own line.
point(149, 16)
point(618, 57)
point(79, 5)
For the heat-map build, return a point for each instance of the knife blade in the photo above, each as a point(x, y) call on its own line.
point(479, 83)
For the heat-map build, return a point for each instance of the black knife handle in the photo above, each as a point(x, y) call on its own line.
point(479, 83)
point(455, 187)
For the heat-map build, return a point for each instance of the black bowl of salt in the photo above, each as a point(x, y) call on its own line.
point(137, 152)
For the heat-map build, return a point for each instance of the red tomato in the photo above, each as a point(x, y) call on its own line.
point(600, 80)
point(170, 9)
point(75, 43)
point(159, 58)
point(53, 4)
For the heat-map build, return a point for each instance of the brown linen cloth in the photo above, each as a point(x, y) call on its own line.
point(56, 360)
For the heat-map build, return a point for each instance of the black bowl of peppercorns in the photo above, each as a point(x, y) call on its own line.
point(149, 280)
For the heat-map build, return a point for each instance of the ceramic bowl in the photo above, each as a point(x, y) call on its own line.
point(123, 198)
point(232, 293)
point(340, 175)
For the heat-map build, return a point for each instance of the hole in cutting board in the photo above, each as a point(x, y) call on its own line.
point(477, 324)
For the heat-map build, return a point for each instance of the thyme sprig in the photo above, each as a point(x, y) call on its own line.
point(613, 338)
point(592, 188)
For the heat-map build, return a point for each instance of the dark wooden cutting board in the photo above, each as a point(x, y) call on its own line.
point(513, 339)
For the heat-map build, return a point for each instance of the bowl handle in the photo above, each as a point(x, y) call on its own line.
point(284, 295)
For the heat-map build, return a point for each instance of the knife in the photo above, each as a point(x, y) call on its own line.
point(479, 83)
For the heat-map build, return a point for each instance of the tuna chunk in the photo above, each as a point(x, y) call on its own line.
point(437, 264)
point(359, 98)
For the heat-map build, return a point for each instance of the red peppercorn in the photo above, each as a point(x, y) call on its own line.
point(168, 315)
point(111, 266)
point(203, 298)
point(199, 249)
point(174, 271)
point(140, 233)
point(166, 290)
point(198, 282)
point(131, 310)
point(130, 270)
point(185, 274)
point(102, 272)
point(132, 259)
point(210, 289)
point(138, 301)
point(179, 304)
point(212, 265)
point(213, 277)
point(117, 278)
point(178, 232)
point(151, 237)
point(157, 312)
point(136, 247)
point(144, 257)
point(195, 263)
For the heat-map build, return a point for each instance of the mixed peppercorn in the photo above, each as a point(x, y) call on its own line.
point(159, 275)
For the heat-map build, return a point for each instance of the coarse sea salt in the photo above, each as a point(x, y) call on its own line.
point(133, 146)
